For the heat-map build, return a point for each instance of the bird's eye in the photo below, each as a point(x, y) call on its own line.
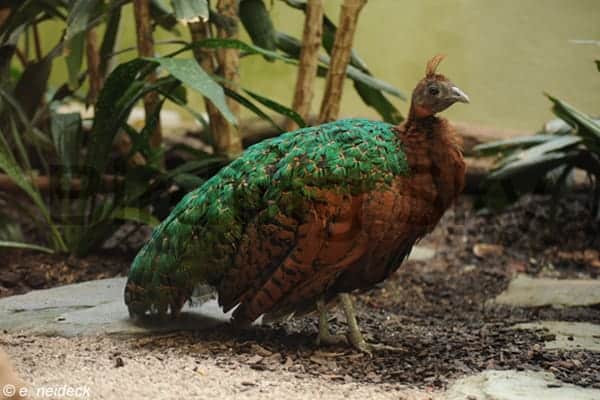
point(433, 90)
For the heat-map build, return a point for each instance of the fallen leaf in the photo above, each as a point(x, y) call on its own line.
point(483, 250)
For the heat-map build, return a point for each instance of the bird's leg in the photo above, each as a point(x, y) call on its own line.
point(354, 335)
point(325, 337)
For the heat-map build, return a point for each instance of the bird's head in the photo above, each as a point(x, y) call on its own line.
point(435, 92)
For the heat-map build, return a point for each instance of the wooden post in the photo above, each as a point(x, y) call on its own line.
point(145, 45)
point(309, 61)
point(340, 58)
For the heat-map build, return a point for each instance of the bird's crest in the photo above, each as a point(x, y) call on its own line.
point(433, 64)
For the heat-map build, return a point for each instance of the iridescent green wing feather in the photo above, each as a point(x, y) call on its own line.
point(198, 241)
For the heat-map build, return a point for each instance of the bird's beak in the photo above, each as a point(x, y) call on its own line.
point(459, 95)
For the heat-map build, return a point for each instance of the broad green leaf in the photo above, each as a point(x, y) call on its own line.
point(163, 16)
point(193, 76)
point(374, 98)
point(32, 85)
point(135, 215)
point(119, 89)
point(109, 40)
point(68, 138)
point(280, 108)
point(533, 167)
point(80, 13)
point(22, 245)
point(74, 49)
point(252, 107)
point(559, 143)
point(492, 148)
point(257, 22)
point(587, 126)
point(188, 11)
point(188, 182)
point(196, 166)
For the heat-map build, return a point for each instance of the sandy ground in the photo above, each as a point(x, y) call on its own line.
point(110, 368)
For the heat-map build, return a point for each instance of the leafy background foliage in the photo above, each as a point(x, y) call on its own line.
point(80, 188)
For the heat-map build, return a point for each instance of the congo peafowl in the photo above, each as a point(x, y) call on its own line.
point(305, 218)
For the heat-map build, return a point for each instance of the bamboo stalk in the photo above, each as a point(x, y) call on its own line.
point(340, 58)
point(228, 140)
point(225, 137)
point(309, 60)
point(145, 45)
point(93, 64)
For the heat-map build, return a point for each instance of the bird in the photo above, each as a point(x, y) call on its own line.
point(299, 222)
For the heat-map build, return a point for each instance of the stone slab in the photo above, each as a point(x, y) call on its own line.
point(524, 291)
point(517, 385)
point(569, 335)
point(93, 308)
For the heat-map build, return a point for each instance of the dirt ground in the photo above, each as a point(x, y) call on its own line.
point(435, 311)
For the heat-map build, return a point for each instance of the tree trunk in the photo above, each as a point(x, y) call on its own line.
point(309, 61)
point(340, 58)
point(145, 45)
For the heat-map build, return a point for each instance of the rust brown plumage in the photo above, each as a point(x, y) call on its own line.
point(314, 213)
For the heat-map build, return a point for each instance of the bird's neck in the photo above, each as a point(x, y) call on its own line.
point(420, 119)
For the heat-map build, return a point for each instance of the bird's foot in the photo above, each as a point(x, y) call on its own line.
point(356, 339)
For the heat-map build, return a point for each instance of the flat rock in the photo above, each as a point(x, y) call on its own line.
point(524, 291)
point(569, 335)
point(93, 308)
point(517, 385)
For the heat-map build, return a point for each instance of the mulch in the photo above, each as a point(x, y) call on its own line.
point(437, 312)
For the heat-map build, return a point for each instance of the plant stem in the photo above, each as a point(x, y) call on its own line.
point(93, 62)
point(37, 42)
point(340, 58)
point(309, 60)
point(145, 44)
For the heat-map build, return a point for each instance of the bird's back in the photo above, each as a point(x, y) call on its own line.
point(239, 229)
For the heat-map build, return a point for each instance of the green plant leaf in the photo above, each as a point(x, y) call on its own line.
point(68, 138)
point(190, 10)
point(598, 64)
point(534, 167)
point(587, 127)
point(292, 46)
point(251, 106)
point(280, 108)
point(80, 13)
point(558, 143)
point(17, 175)
point(112, 108)
point(32, 86)
point(73, 50)
point(109, 40)
point(488, 149)
point(193, 76)
point(163, 16)
point(257, 22)
point(135, 215)
point(21, 245)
